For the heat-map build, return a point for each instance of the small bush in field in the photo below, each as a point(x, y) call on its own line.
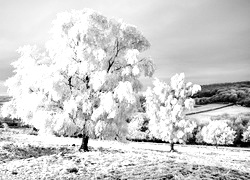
point(218, 133)
point(195, 136)
point(198, 133)
point(191, 137)
point(246, 135)
point(199, 137)
point(237, 122)
point(138, 127)
point(5, 126)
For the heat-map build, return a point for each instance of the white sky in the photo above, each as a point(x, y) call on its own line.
point(209, 40)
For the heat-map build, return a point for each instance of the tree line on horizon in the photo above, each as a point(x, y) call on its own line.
point(237, 93)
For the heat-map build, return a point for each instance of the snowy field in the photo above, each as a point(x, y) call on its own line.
point(206, 116)
point(24, 156)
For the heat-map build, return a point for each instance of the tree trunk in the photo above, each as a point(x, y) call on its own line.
point(172, 147)
point(85, 140)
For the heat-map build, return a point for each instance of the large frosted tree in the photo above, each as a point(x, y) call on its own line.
point(86, 78)
point(165, 106)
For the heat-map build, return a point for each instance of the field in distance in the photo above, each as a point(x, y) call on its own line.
point(204, 113)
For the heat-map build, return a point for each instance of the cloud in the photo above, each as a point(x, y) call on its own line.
point(206, 41)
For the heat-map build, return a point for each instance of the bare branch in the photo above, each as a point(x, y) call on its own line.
point(70, 83)
point(127, 65)
point(112, 59)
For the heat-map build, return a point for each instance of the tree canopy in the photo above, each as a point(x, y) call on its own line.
point(86, 76)
point(165, 105)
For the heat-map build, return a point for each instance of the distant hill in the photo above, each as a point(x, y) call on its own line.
point(236, 93)
point(4, 99)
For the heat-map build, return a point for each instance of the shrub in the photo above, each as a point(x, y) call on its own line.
point(246, 135)
point(190, 138)
point(5, 126)
point(32, 131)
point(198, 134)
point(215, 98)
point(239, 125)
point(246, 102)
point(237, 122)
point(218, 133)
point(199, 137)
point(233, 98)
point(195, 137)
point(241, 93)
point(202, 101)
point(138, 127)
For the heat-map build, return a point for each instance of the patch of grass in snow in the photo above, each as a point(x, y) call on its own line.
point(11, 151)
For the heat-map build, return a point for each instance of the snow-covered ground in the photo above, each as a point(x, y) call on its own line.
point(24, 156)
point(206, 116)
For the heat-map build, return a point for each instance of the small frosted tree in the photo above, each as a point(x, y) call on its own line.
point(165, 105)
point(218, 133)
point(26, 86)
point(86, 78)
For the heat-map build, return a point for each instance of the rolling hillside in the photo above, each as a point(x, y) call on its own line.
point(4, 99)
point(236, 93)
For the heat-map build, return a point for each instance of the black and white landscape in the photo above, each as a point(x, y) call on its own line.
point(125, 90)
